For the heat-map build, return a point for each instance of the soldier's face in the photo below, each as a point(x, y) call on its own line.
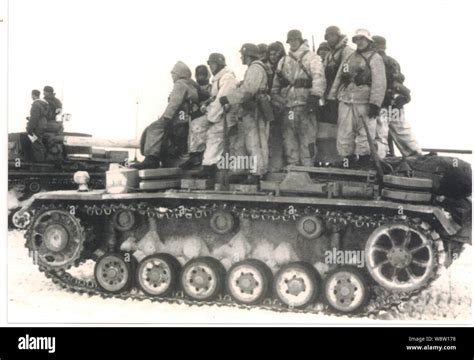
point(273, 56)
point(294, 44)
point(174, 76)
point(361, 42)
point(214, 67)
point(322, 53)
point(332, 39)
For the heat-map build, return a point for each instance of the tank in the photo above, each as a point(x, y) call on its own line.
point(307, 239)
point(67, 153)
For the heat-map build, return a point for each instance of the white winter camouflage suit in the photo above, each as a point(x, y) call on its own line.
point(252, 138)
point(354, 101)
point(299, 126)
point(207, 131)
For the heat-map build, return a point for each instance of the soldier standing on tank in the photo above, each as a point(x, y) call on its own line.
point(323, 50)
point(55, 104)
point(339, 52)
point(37, 122)
point(252, 127)
point(298, 86)
point(360, 86)
point(207, 132)
point(202, 76)
point(276, 51)
point(392, 118)
point(182, 104)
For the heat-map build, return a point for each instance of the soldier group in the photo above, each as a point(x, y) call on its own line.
point(360, 92)
point(41, 120)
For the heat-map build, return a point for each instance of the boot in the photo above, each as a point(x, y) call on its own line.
point(347, 162)
point(208, 172)
point(150, 162)
point(252, 180)
point(195, 160)
point(364, 161)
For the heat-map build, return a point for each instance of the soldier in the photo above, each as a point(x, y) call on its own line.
point(392, 120)
point(276, 51)
point(323, 50)
point(360, 86)
point(263, 53)
point(339, 52)
point(250, 97)
point(207, 131)
point(55, 104)
point(37, 122)
point(202, 75)
point(183, 104)
point(298, 86)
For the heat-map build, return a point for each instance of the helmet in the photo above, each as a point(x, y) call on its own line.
point(324, 45)
point(380, 42)
point(362, 33)
point(250, 50)
point(332, 30)
point(216, 58)
point(49, 89)
point(294, 34)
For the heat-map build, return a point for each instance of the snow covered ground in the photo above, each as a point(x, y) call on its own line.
point(32, 298)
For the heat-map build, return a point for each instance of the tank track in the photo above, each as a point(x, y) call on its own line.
point(382, 300)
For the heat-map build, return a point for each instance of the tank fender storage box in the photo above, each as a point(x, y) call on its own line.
point(121, 180)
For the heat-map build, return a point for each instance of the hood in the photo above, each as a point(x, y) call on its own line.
point(304, 47)
point(221, 73)
point(182, 70)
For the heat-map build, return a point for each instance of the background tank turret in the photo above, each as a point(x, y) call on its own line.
point(67, 153)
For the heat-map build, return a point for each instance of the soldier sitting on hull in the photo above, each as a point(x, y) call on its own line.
point(55, 105)
point(183, 106)
point(36, 126)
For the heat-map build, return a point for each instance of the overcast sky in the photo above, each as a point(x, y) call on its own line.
point(104, 56)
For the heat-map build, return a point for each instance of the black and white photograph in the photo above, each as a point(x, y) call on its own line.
point(215, 163)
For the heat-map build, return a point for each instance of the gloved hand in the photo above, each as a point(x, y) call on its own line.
point(223, 100)
point(374, 111)
point(203, 109)
point(312, 103)
point(400, 101)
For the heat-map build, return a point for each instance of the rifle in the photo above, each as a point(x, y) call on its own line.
point(312, 38)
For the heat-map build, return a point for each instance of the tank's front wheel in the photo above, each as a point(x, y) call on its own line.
point(203, 278)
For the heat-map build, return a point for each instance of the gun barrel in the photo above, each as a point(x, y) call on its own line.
point(90, 141)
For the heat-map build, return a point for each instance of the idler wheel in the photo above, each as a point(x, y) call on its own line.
point(399, 257)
